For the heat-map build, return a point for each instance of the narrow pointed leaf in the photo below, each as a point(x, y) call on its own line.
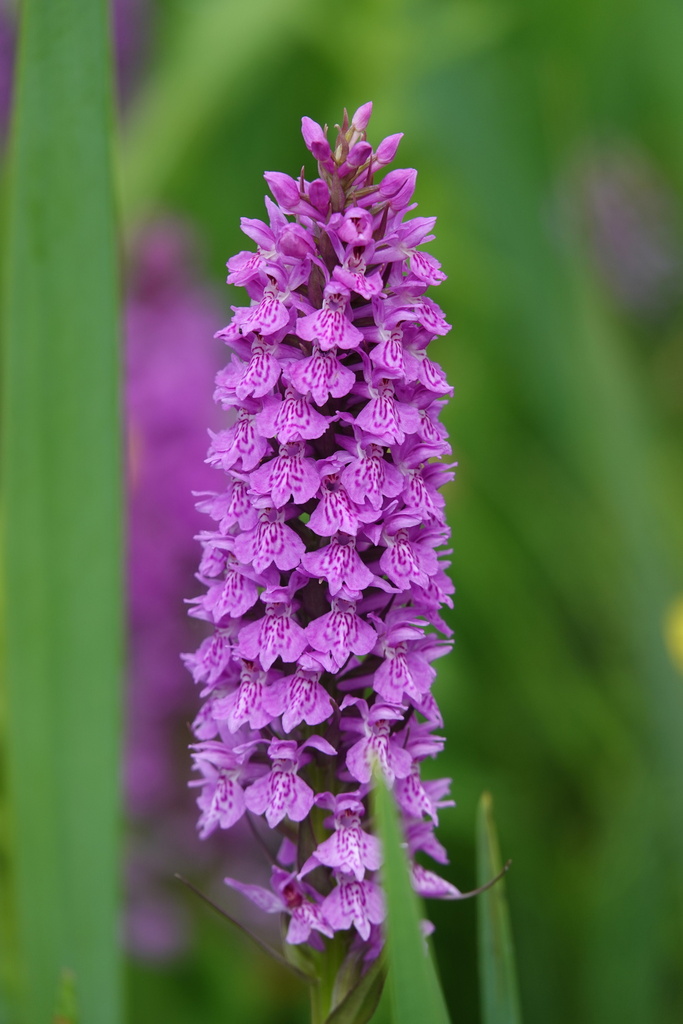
point(412, 979)
point(497, 975)
point(61, 513)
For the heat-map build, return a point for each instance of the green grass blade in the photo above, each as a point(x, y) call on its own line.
point(497, 975)
point(412, 979)
point(62, 513)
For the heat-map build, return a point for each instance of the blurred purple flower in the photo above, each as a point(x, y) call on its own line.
point(131, 33)
point(7, 48)
point(635, 231)
point(168, 373)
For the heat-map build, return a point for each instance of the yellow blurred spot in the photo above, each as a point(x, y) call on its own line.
point(673, 631)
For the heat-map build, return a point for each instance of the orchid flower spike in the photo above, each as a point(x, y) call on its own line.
point(324, 571)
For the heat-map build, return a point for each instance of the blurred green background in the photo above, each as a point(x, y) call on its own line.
point(548, 142)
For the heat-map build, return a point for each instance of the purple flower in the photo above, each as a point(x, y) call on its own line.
point(282, 792)
point(276, 635)
point(300, 697)
point(325, 566)
point(354, 903)
point(378, 743)
point(221, 800)
point(340, 633)
point(289, 896)
point(350, 849)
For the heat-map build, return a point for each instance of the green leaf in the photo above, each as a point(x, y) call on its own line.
point(359, 1006)
point(61, 522)
point(413, 982)
point(497, 976)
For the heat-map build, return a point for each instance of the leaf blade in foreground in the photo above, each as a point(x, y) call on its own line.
point(62, 561)
point(497, 974)
point(412, 979)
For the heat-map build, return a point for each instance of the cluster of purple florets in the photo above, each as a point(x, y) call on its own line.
point(325, 569)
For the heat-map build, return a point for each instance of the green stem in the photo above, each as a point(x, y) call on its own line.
point(328, 964)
